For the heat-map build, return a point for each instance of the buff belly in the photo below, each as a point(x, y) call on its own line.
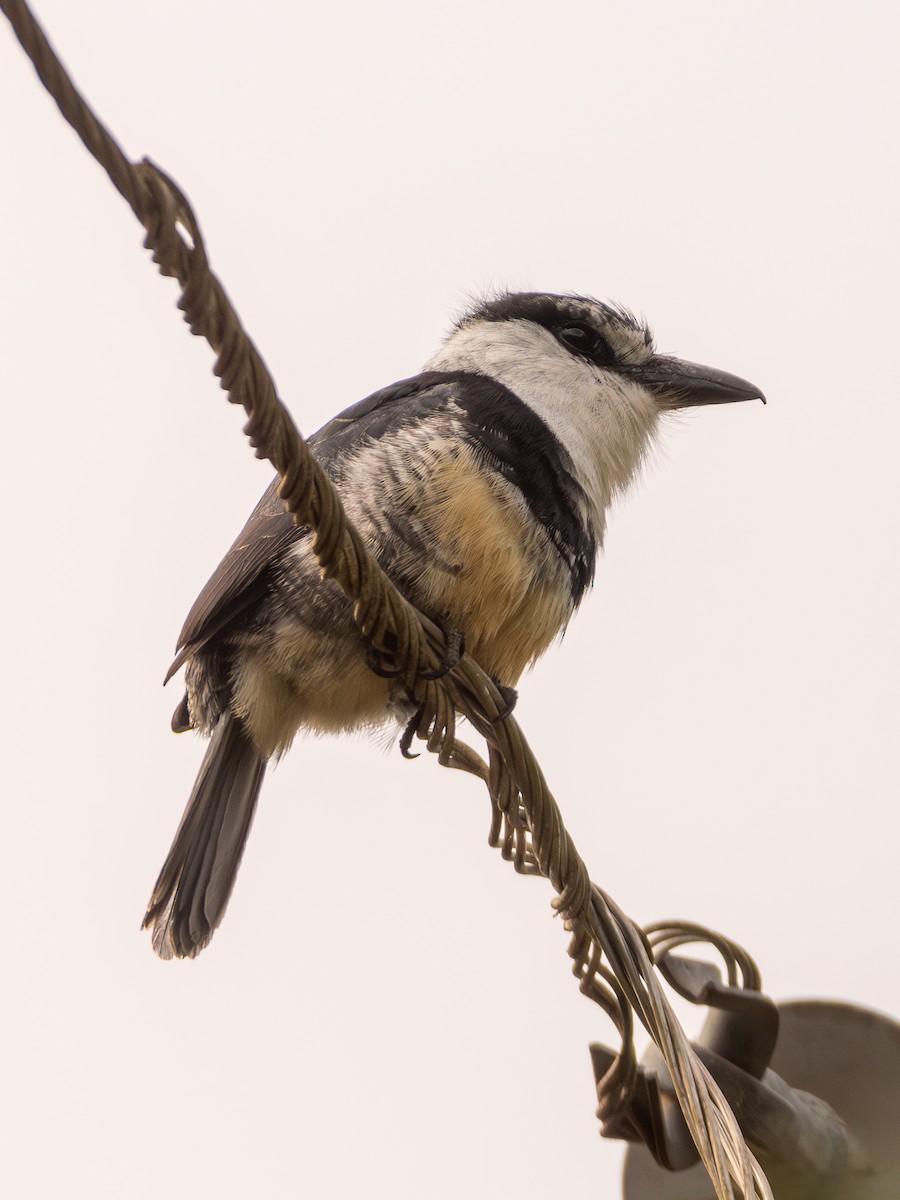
point(465, 550)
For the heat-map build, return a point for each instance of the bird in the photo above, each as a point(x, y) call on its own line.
point(482, 487)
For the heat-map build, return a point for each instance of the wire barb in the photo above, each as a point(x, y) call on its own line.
point(441, 679)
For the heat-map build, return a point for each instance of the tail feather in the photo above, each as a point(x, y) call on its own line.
point(197, 878)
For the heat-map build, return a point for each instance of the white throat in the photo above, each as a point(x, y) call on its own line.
point(605, 421)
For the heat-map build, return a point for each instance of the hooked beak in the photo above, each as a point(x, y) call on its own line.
point(679, 384)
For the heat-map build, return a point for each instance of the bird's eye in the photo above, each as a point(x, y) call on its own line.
point(587, 343)
point(577, 338)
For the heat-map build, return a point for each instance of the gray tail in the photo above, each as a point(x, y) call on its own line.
point(193, 888)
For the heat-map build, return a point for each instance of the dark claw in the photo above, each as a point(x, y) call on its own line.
point(456, 648)
point(510, 695)
point(376, 668)
point(406, 737)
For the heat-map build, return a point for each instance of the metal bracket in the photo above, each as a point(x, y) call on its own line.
point(815, 1087)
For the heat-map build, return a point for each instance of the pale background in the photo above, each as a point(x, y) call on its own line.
point(388, 1010)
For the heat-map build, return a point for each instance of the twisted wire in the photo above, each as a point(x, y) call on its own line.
point(526, 822)
point(741, 970)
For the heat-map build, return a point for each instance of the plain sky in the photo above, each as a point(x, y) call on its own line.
point(387, 1009)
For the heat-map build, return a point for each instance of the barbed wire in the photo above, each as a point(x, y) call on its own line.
point(526, 824)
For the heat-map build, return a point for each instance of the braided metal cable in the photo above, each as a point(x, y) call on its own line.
point(740, 968)
point(526, 821)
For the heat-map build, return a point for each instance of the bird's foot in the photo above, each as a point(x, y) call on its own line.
point(406, 737)
point(510, 695)
point(456, 648)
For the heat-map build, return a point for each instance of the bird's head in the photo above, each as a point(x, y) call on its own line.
point(590, 371)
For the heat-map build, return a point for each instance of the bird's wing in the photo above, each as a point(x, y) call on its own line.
point(242, 577)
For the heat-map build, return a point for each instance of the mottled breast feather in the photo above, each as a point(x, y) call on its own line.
point(509, 437)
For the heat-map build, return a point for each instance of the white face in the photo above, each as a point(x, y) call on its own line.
point(605, 420)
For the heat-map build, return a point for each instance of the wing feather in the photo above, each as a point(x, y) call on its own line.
point(242, 577)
